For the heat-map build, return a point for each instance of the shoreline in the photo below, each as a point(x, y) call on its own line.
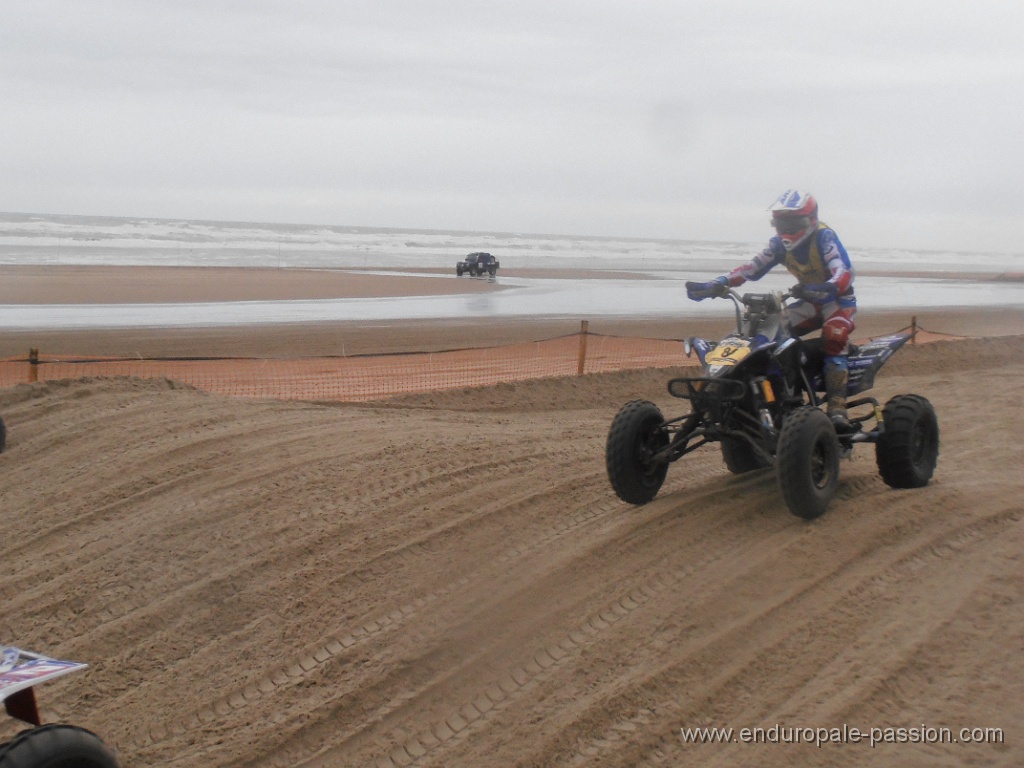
point(87, 284)
point(80, 284)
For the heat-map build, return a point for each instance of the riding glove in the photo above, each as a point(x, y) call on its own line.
point(701, 291)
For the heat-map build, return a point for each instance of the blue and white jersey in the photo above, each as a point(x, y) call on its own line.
point(819, 259)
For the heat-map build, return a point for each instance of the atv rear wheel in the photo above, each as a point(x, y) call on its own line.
point(908, 448)
point(740, 456)
point(635, 436)
point(57, 746)
point(808, 462)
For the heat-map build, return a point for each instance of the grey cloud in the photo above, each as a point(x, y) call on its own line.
point(658, 119)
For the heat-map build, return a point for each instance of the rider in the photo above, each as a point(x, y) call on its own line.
point(812, 252)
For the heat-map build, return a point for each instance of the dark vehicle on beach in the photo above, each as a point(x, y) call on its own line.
point(3, 435)
point(759, 398)
point(51, 745)
point(476, 264)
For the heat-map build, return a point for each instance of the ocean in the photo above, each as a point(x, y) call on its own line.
point(42, 239)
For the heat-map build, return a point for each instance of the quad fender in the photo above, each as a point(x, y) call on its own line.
point(730, 352)
point(869, 358)
point(700, 346)
point(20, 671)
point(864, 361)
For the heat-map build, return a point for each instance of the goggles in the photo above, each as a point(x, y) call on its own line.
point(790, 225)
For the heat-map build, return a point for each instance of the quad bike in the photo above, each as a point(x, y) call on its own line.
point(3, 436)
point(44, 746)
point(759, 399)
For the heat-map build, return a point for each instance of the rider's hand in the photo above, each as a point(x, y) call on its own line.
point(701, 291)
point(816, 293)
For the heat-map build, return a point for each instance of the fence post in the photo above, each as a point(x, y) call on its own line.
point(33, 364)
point(581, 363)
point(913, 329)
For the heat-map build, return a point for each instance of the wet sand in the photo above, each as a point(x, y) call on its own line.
point(106, 285)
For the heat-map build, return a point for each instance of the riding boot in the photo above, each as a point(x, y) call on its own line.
point(836, 380)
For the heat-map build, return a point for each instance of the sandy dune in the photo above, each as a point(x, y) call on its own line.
point(447, 580)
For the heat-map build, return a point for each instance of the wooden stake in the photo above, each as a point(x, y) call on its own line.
point(581, 363)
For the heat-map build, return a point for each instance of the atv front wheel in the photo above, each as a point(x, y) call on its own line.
point(808, 462)
point(57, 746)
point(635, 436)
point(908, 448)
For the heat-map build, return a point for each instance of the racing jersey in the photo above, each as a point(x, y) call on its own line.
point(818, 259)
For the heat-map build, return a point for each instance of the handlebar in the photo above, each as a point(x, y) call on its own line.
point(775, 301)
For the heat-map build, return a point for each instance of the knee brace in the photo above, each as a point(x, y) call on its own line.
point(836, 334)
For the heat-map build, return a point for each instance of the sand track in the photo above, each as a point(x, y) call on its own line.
point(418, 583)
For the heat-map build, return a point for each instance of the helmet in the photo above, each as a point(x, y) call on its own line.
point(795, 217)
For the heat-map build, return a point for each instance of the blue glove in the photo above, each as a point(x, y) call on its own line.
point(816, 293)
point(701, 291)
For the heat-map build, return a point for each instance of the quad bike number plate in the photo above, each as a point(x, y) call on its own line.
point(729, 352)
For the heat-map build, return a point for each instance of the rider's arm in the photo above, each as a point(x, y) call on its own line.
point(836, 260)
point(760, 265)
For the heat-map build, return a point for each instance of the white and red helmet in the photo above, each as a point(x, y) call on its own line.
point(795, 217)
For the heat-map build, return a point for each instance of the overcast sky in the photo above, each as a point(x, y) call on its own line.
point(667, 119)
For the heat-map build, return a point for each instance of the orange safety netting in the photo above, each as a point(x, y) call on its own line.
point(367, 377)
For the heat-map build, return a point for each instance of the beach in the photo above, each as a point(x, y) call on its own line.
point(42, 285)
point(446, 578)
